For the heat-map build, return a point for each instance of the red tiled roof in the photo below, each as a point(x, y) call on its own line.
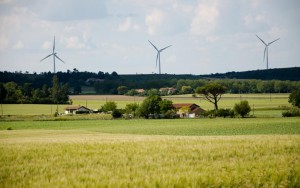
point(72, 107)
point(180, 105)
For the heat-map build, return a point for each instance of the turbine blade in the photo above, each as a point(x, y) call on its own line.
point(156, 59)
point(265, 52)
point(59, 58)
point(153, 45)
point(261, 40)
point(165, 48)
point(273, 41)
point(54, 44)
point(46, 57)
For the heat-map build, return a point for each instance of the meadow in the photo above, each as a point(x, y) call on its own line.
point(251, 152)
point(263, 104)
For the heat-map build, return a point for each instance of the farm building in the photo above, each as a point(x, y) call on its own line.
point(190, 110)
point(77, 110)
point(168, 90)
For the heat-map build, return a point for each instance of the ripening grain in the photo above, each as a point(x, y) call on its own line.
point(49, 158)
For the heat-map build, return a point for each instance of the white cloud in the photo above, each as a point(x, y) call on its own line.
point(3, 42)
point(276, 32)
point(205, 18)
point(73, 42)
point(46, 45)
point(212, 38)
point(171, 59)
point(154, 21)
point(128, 25)
point(18, 45)
point(248, 20)
point(125, 26)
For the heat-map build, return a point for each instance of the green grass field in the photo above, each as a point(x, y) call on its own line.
point(263, 106)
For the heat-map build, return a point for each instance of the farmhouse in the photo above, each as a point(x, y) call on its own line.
point(140, 91)
point(168, 90)
point(77, 110)
point(190, 110)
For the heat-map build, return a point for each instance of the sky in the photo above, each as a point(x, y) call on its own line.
point(207, 36)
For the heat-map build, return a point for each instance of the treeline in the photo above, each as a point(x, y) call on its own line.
point(279, 81)
point(14, 93)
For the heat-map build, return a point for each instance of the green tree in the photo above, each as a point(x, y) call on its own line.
point(109, 106)
point(243, 108)
point(212, 93)
point(165, 106)
point(122, 90)
point(150, 106)
point(186, 89)
point(131, 108)
point(55, 89)
point(294, 98)
point(3, 92)
point(64, 94)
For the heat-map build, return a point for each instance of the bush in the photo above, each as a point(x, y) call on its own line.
point(225, 113)
point(243, 108)
point(117, 113)
point(292, 112)
point(109, 106)
point(294, 98)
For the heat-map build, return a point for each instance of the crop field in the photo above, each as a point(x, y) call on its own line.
point(79, 152)
point(264, 106)
point(259, 152)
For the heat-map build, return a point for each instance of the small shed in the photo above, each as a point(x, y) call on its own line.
point(77, 109)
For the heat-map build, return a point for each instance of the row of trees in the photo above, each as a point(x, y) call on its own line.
point(232, 86)
point(108, 83)
point(13, 93)
point(152, 107)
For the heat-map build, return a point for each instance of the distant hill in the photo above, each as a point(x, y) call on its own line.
point(140, 80)
point(292, 74)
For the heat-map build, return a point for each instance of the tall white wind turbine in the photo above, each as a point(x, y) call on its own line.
point(158, 54)
point(266, 53)
point(54, 55)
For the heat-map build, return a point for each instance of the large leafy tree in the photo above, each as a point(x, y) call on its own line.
point(294, 98)
point(151, 105)
point(212, 93)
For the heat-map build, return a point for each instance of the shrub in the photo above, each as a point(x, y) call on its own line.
point(109, 106)
point(225, 113)
point(292, 112)
point(243, 108)
point(294, 98)
point(117, 113)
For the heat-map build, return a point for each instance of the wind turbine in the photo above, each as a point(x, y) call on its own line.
point(267, 49)
point(158, 54)
point(54, 55)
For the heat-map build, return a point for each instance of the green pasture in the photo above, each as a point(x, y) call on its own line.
point(264, 106)
point(187, 127)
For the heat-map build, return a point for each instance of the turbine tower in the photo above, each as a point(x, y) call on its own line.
point(266, 53)
point(158, 55)
point(54, 55)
